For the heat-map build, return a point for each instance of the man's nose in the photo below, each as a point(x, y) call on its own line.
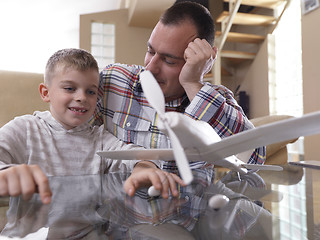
point(154, 64)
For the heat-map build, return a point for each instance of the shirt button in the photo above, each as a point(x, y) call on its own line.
point(128, 124)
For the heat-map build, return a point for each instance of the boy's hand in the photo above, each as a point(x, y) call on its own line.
point(25, 180)
point(146, 174)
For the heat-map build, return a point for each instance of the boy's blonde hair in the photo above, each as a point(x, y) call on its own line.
point(73, 58)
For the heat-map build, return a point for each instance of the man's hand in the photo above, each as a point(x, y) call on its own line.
point(25, 180)
point(199, 57)
point(146, 174)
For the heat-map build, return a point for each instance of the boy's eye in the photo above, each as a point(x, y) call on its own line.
point(68, 88)
point(91, 92)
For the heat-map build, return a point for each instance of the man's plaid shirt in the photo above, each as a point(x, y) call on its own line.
point(125, 112)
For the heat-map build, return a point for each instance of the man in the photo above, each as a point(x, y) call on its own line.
point(180, 52)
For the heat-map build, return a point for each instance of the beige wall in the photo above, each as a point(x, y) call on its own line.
point(131, 41)
point(19, 95)
point(311, 75)
point(255, 83)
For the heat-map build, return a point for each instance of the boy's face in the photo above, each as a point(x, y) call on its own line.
point(72, 95)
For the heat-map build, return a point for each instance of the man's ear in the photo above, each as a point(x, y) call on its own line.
point(44, 92)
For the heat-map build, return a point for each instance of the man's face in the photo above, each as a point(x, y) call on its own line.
point(165, 56)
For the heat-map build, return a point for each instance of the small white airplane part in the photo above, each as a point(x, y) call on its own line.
point(197, 140)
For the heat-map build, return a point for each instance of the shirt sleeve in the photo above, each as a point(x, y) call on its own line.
point(12, 143)
point(216, 105)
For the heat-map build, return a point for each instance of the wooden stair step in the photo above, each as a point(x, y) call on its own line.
point(237, 54)
point(224, 72)
point(242, 37)
point(248, 19)
point(273, 4)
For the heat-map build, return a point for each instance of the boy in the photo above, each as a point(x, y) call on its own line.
point(61, 142)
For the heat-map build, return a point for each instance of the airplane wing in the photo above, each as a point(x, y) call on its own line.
point(279, 131)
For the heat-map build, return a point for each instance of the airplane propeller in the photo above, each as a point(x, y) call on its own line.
point(155, 97)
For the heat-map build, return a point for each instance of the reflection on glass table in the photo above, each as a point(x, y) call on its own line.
point(96, 207)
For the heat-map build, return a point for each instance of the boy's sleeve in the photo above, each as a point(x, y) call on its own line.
point(12, 143)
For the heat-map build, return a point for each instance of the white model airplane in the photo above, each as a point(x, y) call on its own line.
point(197, 140)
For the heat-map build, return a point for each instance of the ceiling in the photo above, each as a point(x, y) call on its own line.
point(146, 13)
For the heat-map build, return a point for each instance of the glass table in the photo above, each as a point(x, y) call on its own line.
point(262, 205)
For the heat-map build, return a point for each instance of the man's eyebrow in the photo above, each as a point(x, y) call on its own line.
point(166, 54)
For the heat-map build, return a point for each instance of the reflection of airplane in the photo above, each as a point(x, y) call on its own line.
point(197, 140)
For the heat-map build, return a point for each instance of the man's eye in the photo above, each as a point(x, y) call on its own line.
point(151, 52)
point(169, 62)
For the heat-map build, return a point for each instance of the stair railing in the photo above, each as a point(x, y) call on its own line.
point(220, 41)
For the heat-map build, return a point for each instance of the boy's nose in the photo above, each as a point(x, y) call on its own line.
point(80, 96)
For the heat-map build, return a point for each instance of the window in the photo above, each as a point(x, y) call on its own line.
point(286, 97)
point(285, 85)
point(103, 43)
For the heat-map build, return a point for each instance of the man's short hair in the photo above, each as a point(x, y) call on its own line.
point(194, 12)
point(73, 58)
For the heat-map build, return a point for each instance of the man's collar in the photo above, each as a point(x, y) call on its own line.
point(178, 102)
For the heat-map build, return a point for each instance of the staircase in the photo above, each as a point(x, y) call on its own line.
point(242, 28)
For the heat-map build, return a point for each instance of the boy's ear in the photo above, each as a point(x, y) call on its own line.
point(44, 92)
